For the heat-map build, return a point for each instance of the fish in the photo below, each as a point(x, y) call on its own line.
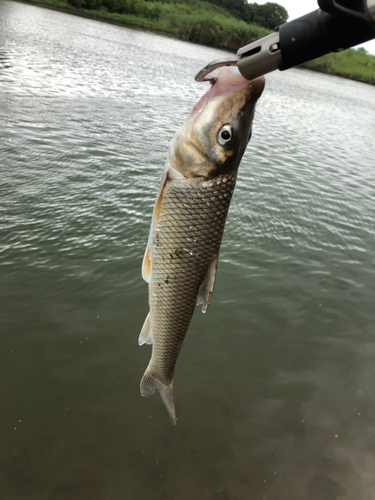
point(188, 219)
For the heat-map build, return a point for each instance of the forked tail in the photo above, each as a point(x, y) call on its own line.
point(150, 384)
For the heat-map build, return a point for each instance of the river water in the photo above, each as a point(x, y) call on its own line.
point(275, 385)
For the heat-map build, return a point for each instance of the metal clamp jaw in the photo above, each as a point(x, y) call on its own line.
point(254, 59)
point(337, 25)
point(261, 57)
point(201, 76)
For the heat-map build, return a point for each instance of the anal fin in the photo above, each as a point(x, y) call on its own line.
point(145, 337)
point(207, 286)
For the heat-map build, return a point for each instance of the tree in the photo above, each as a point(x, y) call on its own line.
point(270, 15)
point(235, 7)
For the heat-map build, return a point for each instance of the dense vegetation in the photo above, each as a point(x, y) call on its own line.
point(268, 15)
point(208, 22)
point(197, 21)
point(354, 64)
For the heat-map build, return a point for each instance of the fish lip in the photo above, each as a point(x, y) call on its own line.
point(258, 84)
point(228, 82)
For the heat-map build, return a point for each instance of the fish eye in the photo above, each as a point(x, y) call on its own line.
point(225, 135)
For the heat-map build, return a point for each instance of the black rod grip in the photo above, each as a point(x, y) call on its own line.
point(319, 33)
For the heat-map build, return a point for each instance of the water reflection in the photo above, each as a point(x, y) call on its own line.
point(4, 61)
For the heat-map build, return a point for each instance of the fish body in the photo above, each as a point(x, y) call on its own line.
point(188, 221)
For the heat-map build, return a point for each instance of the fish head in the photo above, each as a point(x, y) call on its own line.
point(214, 137)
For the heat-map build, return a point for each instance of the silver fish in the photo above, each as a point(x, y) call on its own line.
point(188, 221)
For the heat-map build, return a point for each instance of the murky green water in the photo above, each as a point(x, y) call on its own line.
point(275, 386)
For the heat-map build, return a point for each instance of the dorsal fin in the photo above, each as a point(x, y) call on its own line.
point(207, 286)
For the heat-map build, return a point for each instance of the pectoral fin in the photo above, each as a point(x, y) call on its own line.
point(207, 286)
point(146, 265)
point(159, 198)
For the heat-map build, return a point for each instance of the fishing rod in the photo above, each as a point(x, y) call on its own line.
point(335, 26)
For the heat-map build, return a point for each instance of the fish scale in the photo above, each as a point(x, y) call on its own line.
point(190, 228)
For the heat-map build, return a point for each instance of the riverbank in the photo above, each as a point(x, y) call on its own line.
point(213, 27)
point(111, 18)
point(355, 64)
point(200, 23)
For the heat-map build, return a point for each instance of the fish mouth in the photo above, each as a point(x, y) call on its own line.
point(227, 82)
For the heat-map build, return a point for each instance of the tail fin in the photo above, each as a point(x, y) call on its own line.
point(150, 385)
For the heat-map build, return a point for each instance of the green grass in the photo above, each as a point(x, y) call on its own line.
point(216, 30)
point(126, 20)
point(103, 15)
point(196, 21)
point(354, 64)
